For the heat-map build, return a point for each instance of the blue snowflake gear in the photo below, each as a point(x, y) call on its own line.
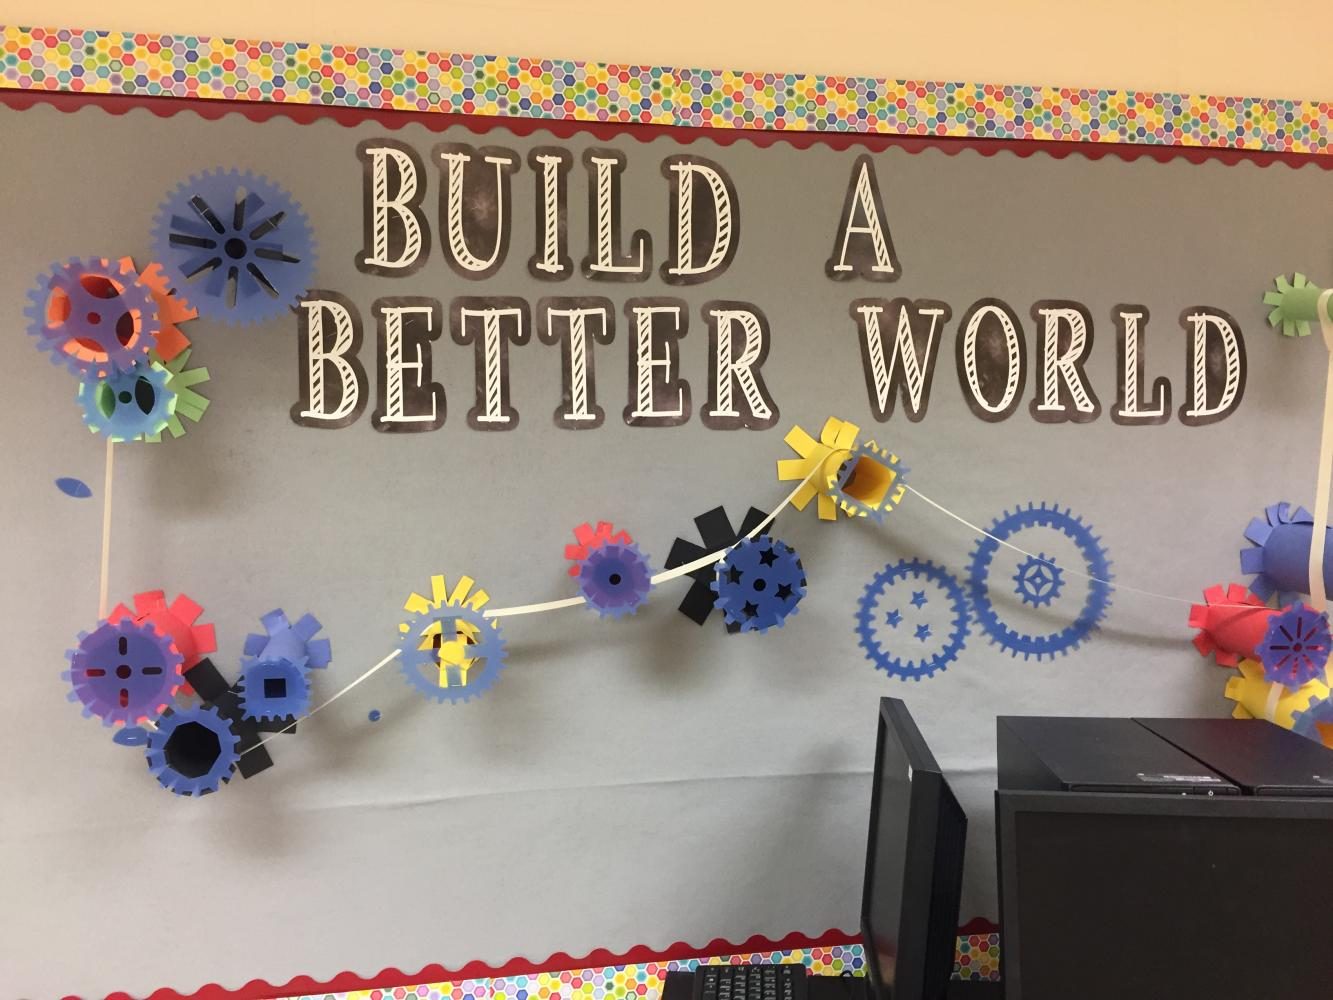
point(759, 584)
point(273, 690)
point(1096, 565)
point(192, 751)
point(1295, 646)
point(870, 483)
point(93, 316)
point(124, 672)
point(285, 641)
point(874, 613)
point(1280, 553)
point(615, 579)
point(133, 405)
point(239, 245)
point(451, 653)
point(1038, 581)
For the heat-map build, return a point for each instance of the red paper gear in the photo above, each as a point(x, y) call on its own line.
point(590, 538)
point(1231, 623)
point(172, 310)
point(178, 620)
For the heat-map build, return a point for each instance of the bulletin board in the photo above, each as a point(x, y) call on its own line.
point(1011, 405)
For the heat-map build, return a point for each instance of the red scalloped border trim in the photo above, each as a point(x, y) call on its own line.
point(305, 114)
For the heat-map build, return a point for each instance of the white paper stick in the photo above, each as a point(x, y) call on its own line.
point(1318, 599)
point(104, 585)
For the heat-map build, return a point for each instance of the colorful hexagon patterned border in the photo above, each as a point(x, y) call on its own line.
point(185, 66)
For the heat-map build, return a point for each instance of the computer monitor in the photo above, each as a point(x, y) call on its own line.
point(1111, 896)
point(914, 865)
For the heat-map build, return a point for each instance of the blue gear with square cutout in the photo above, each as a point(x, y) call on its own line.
point(284, 641)
point(201, 768)
point(1038, 580)
point(1096, 565)
point(759, 583)
point(237, 244)
point(869, 610)
point(128, 406)
point(483, 642)
point(615, 579)
point(272, 690)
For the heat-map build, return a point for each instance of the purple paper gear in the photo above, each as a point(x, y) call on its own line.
point(192, 751)
point(124, 673)
point(285, 641)
point(1295, 648)
point(128, 406)
point(93, 316)
point(237, 244)
point(1280, 555)
point(273, 690)
point(759, 584)
point(615, 579)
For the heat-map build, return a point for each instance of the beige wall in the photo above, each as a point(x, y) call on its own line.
point(1280, 48)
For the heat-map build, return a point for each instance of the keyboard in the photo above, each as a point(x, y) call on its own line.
point(750, 982)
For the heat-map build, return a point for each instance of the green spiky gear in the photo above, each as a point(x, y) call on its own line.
point(188, 402)
point(1295, 305)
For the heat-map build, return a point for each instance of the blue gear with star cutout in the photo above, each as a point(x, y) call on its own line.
point(871, 609)
point(1096, 565)
point(129, 406)
point(468, 630)
point(759, 584)
point(237, 244)
point(1038, 581)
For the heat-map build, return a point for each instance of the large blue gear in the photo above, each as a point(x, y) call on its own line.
point(273, 690)
point(615, 579)
point(759, 584)
point(284, 641)
point(93, 316)
point(194, 768)
point(236, 243)
point(1038, 581)
point(421, 667)
point(872, 607)
point(1096, 565)
point(129, 406)
point(124, 672)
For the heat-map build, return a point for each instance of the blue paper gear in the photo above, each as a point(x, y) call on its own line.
point(1280, 554)
point(759, 584)
point(1038, 581)
point(1096, 565)
point(215, 772)
point(285, 641)
point(128, 657)
point(114, 406)
point(1306, 723)
point(615, 579)
point(67, 277)
point(487, 645)
point(237, 244)
point(868, 449)
point(870, 611)
point(258, 704)
point(1295, 646)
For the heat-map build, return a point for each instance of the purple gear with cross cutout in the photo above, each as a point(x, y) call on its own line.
point(93, 316)
point(615, 579)
point(285, 641)
point(124, 673)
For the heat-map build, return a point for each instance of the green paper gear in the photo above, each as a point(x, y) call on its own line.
point(1295, 305)
point(188, 402)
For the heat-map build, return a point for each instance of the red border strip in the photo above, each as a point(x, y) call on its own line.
point(305, 114)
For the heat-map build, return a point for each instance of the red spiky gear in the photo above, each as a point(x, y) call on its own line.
point(590, 538)
point(1231, 623)
point(179, 620)
point(172, 309)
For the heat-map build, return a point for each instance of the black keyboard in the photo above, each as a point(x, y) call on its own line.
point(750, 982)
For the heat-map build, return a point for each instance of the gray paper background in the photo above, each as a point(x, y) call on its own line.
point(638, 782)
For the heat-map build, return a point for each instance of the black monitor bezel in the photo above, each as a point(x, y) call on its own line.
point(1009, 803)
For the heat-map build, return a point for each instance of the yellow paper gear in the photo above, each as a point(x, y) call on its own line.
point(826, 455)
point(450, 651)
point(1256, 697)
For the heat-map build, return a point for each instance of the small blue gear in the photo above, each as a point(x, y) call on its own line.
point(615, 579)
point(1038, 580)
point(273, 690)
point(1096, 566)
point(285, 641)
point(874, 613)
point(759, 583)
point(236, 243)
point(1315, 721)
point(129, 406)
point(192, 751)
point(93, 316)
point(433, 648)
point(850, 471)
point(124, 672)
